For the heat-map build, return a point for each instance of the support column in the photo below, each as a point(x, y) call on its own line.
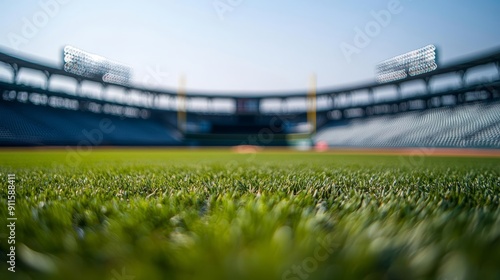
point(78, 89)
point(15, 72)
point(210, 105)
point(47, 76)
point(181, 104)
point(283, 104)
point(371, 97)
point(348, 99)
point(311, 110)
point(461, 73)
point(103, 90)
point(155, 100)
point(491, 92)
point(399, 95)
point(332, 99)
point(429, 103)
point(152, 98)
point(427, 81)
point(168, 101)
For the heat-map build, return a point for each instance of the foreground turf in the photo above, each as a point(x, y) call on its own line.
point(153, 214)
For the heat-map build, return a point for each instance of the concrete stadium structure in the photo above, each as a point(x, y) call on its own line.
point(457, 105)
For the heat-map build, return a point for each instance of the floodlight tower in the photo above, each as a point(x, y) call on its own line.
point(93, 66)
point(413, 63)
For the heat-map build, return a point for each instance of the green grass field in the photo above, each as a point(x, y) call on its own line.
point(214, 214)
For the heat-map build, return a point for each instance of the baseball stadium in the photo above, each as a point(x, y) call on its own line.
point(393, 176)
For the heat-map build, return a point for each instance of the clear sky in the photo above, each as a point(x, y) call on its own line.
point(249, 45)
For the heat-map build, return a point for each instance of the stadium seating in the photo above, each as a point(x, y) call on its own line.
point(473, 125)
point(30, 125)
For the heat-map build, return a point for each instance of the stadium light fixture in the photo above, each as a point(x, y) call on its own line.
point(94, 66)
point(413, 63)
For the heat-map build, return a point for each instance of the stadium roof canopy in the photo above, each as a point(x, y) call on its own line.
point(457, 66)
